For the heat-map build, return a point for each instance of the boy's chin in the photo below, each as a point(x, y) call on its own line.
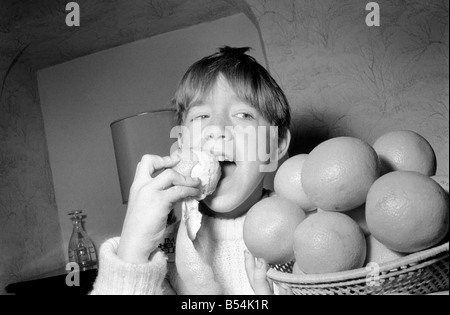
point(222, 207)
point(212, 206)
point(233, 203)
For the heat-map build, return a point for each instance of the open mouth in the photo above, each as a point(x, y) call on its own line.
point(228, 168)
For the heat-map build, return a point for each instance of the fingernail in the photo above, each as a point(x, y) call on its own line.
point(259, 263)
point(200, 194)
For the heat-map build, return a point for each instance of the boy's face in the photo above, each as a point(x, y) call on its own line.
point(236, 132)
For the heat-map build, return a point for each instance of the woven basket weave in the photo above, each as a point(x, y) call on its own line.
point(419, 273)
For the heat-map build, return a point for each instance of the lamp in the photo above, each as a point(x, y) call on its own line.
point(137, 135)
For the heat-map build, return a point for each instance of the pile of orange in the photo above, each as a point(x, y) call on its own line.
point(363, 203)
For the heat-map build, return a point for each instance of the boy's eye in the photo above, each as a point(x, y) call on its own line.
point(199, 117)
point(244, 116)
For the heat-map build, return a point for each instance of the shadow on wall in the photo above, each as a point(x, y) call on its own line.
point(305, 136)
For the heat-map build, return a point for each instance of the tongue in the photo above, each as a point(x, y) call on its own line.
point(227, 168)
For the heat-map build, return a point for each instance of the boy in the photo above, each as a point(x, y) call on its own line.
point(223, 93)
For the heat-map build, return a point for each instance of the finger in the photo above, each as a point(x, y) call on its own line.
point(170, 178)
point(285, 290)
point(261, 285)
point(137, 171)
point(176, 193)
point(151, 163)
point(270, 282)
point(249, 266)
point(146, 168)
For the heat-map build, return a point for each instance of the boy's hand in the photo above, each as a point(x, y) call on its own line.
point(257, 275)
point(151, 200)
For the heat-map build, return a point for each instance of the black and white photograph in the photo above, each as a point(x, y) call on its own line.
point(239, 149)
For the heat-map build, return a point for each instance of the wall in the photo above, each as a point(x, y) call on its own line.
point(30, 236)
point(341, 77)
point(80, 99)
point(344, 78)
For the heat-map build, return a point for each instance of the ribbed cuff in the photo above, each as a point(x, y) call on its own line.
point(117, 277)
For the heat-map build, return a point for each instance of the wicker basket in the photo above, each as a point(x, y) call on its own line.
point(419, 273)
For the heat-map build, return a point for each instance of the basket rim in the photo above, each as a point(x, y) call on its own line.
point(362, 272)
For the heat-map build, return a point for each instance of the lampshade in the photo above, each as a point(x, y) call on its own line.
point(137, 135)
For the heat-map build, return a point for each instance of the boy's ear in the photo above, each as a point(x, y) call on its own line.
point(283, 144)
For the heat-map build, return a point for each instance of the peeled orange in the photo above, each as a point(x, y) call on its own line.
point(188, 159)
point(269, 229)
point(338, 173)
point(407, 211)
point(329, 242)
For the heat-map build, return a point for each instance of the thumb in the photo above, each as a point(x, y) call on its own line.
point(262, 286)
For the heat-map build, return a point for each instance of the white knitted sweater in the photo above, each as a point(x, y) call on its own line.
point(223, 237)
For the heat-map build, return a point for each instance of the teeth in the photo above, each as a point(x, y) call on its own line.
point(222, 158)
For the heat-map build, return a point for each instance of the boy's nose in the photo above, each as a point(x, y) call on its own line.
point(218, 129)
point(216, 132)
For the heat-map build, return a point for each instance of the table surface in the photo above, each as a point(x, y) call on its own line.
point(54, 282)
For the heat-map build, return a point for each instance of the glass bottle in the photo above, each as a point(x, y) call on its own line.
point(81, 248)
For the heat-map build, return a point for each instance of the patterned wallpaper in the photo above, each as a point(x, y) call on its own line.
point(103, 24)
point(30, 241)
point(33, 35)
point(345, 78)
point(341, 77)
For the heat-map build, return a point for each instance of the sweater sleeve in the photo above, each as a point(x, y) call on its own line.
point(117, 277)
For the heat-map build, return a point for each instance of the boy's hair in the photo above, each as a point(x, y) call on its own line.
point(249, 80)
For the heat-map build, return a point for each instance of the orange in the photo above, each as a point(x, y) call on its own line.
point(405, 150)
point(288, 184)
point(407, 211)
point(269, 229)
point(378, 253)
point(187, 162)
point(329, 242)
point(359, 216)
point(296, 270)
point(442, 180)
point(338, 173)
